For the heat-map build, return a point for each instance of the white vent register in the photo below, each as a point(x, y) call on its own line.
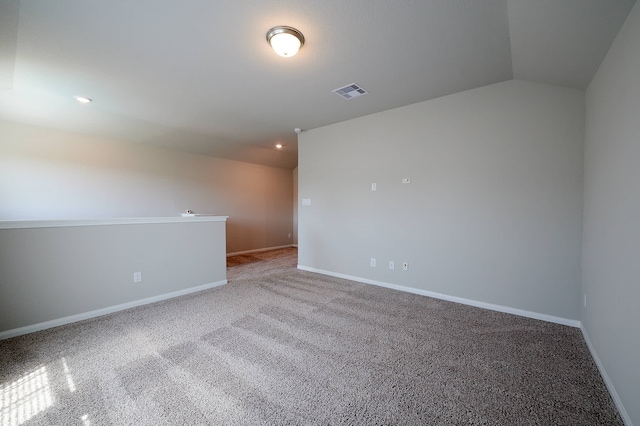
point(350, 91)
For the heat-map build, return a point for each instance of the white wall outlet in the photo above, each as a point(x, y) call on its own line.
point(137, 277)
point(374, 187)
point(405, 266)
point(406, 180)
point(373, 262)
point(392, 264)
point(306, 201)
point(289, 235)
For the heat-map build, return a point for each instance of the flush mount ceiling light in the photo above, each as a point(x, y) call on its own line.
point(83, 99)
point(285, 41)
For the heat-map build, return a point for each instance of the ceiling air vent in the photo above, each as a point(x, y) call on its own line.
point(350, 91)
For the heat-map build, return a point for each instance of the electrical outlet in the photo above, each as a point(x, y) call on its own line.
point(405, 266)
point(289, 236)
point(392, 264)
point(373, 262)
point(374, 187)
point(137, 277)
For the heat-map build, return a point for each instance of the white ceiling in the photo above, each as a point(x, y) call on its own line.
point(199, 76)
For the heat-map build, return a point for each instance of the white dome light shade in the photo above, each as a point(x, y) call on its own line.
point(285, 41)
point(285, 44)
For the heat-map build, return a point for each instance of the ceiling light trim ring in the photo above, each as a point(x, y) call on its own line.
point(283, 29)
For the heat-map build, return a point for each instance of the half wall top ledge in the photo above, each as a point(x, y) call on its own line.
point(26, 224)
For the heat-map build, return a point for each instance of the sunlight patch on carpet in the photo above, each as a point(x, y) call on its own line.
point(24, 398)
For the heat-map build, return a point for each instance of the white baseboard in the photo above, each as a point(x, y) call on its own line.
point(104, 311)
point(612, 390)
point(259, 250)
point(470, 302)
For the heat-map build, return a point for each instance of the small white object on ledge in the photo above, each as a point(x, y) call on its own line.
point(196, 214)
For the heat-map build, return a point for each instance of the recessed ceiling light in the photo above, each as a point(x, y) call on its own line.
point(83, 99)
point(279, 145)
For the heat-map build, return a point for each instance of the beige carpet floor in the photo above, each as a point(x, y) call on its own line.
point(281, 346)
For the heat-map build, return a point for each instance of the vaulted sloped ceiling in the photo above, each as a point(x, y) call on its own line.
point(562, 42)
point(199, 76)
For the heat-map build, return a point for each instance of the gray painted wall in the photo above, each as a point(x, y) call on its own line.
point(611, 242)
point(295, 206)
point(493, 212)
point(52, 174)
point(51, 273)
